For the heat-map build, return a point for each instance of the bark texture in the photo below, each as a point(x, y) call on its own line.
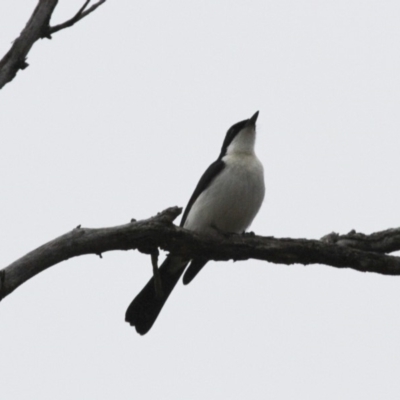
point(360, 252)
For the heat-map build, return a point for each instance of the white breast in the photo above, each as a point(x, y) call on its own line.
point(232, 200)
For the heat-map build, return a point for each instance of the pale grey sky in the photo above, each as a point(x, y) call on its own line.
point(119, 116)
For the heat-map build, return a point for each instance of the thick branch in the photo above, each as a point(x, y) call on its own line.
point(36, 28)
point(386, 241)
point(159, 232)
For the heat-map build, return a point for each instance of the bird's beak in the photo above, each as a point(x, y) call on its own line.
point(252, 120)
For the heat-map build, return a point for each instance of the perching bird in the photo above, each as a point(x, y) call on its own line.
point(226, 200)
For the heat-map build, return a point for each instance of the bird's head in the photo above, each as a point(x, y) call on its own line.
point(240, 137)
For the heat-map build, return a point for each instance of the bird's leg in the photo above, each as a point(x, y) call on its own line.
point(2, 279)
point(156, 273)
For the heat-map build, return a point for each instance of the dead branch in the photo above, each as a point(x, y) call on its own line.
point(386, 241)
point(82, 13)
point(36, 28)
point(160, 232)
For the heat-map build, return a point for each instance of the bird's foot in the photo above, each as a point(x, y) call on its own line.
point(248, 234)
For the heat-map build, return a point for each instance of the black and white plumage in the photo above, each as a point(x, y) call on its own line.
point(226, 199)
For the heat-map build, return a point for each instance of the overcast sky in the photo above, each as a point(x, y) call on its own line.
point(117, 118)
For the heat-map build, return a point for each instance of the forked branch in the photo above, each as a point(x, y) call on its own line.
point(82, 13)
point(36, 28)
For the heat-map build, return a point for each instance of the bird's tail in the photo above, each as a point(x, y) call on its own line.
point(145, 307)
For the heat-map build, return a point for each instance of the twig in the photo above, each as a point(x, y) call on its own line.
point(77, 17)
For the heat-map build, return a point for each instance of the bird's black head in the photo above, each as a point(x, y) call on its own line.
point(234, 130)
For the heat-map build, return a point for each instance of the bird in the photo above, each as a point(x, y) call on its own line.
point(225, 201)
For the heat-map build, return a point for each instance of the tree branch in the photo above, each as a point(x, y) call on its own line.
point(36, 28)
point(159, 232)
point(77, 17)
point(386, 241)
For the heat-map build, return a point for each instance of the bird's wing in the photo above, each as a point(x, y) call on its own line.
point(211, 172)
point(194, 268)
